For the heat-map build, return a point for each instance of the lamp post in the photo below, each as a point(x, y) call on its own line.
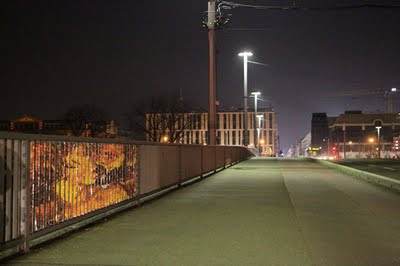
point(378, 128)
point(245, 56)
point(255, 95)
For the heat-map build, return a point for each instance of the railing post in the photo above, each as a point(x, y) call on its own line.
point(202, 162)
point(180, 175)
point(8, 186)
point(215, 159)
point(2, 188)
point(25, 196)
point(138, 171)
point(224, 157)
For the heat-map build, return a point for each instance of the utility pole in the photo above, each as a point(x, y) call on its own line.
point(212, 88)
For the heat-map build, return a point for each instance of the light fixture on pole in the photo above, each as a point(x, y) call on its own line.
point(255, 94)
point(245, 56)
point(378, 128)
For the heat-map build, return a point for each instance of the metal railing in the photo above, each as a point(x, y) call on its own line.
point(50, 182)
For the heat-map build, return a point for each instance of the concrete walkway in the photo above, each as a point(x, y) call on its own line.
point(259, 212)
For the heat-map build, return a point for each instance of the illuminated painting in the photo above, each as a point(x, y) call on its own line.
point(72, 179)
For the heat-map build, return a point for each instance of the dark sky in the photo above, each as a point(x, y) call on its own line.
point(115, 53)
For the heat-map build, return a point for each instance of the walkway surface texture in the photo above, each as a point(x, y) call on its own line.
point(259, 212)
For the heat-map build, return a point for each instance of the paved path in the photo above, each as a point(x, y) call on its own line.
point(259, 212)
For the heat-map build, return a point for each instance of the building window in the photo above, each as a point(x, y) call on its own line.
point(199, 121)
point(234, 137)
point(234, 121)
point(197, 137)
point(224, 121)
point(270, 121)
point(240, 121)
point(270, 137)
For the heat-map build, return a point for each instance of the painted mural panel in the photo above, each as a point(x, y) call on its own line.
point(72, 179)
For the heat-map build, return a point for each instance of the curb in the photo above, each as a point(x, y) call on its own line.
point(367, 176)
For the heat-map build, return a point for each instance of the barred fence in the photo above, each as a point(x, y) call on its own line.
point(50, 182)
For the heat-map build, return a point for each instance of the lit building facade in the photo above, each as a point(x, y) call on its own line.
point(354, 135)
point(230, 128)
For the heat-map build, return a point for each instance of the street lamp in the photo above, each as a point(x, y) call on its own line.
point(255, 95)
point(378, 128)
point(165, 138)
point(245, 56)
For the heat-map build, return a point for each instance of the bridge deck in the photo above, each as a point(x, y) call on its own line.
point(259, 212)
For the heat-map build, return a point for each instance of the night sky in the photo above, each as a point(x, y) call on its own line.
point(116, 53)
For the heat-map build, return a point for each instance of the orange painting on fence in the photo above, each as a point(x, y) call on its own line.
point(72, 179)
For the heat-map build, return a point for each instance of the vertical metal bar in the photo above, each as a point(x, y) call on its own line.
point(75, 186)
point(55, 192)
point(25, 195)
point(16, 194)
point(180, 165)
point(224, 156)
point(40, 184)
point(215, 159)
point(98, 182)
point(69, 181)
point(33, 173)
point(9, 184)
point(87, 178)
point(2, 188)
point(79, 179)
point(64, 181)
point(138, 153)
point(45, 183)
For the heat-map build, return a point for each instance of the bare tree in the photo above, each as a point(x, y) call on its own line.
point(162, 116)
point(81, 118)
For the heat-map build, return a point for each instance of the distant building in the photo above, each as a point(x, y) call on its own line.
point(229, 129)
point(303, 145)
point(354, 134)
point(32, 125)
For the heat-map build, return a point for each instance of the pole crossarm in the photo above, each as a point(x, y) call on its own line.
point(294, 7)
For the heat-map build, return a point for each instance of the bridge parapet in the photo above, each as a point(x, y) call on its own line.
point(48, 182)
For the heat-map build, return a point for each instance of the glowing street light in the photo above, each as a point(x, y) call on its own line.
point(165, 138)
point(245, 56)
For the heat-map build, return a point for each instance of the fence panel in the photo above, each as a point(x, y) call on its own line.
point(209, 160)
point(159, 167)
point(220, 156)
point(71, 179)
point(191, 161)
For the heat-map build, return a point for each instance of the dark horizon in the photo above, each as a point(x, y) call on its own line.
point(115, 54)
